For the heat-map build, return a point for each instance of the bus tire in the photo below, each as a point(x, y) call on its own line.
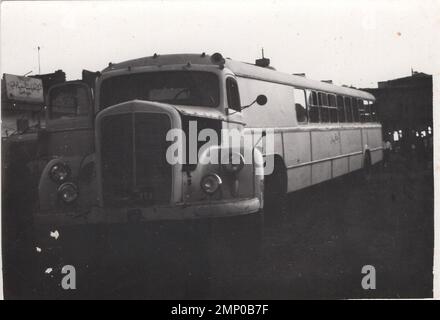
point(275, 194)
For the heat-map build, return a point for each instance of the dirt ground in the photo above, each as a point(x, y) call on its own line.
point(317, 251)
point(334, 229)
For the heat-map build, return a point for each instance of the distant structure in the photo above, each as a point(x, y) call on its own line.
point(14, 108)
point(50, 79)
point(405, 107)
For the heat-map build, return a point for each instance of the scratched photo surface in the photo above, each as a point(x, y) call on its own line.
point(218, 150)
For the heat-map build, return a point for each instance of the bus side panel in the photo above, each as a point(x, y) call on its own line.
point(340, 167)
point(277, 147)
point(321, 172)
point(262, 144)
point(352, 143)
point(70, 143)
point(279, 111)
point(374, 142)
point(278, 144)
point(296, 152)
point(365, 142)
point(255, 135)
point(376, 156)
point(325, 144)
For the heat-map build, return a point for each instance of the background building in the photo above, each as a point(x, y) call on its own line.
point(14, 108)
point(405, 109)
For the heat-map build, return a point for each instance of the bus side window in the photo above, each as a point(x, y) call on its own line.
point(313, 107)
point(333, 108)
point(233, 94)
point(355, 110)
point(69, 101)
point(341, 111)
point(300, 105)
point(373, 110)
point(364, 111)
point(348, 109)
point(323, 106)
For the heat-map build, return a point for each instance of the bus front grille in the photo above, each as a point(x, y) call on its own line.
point(135, 171)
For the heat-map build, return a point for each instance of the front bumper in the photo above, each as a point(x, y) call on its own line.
point(202, 210)
point(111, 237)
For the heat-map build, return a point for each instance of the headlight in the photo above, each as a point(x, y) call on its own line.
point(68, 192)
point(210, 183)
point(59, 172)
point(231, 165)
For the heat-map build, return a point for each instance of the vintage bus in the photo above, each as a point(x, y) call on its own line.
point(322, 131)
point(109, 165)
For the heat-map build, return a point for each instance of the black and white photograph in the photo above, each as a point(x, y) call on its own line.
point(219, 151)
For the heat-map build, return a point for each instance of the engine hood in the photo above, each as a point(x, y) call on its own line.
point(194, 111)
point(202, 112)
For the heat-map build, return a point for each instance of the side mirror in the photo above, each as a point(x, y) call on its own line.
point(261, 100)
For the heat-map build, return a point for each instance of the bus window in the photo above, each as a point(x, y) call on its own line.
point(313, 107)
point(323, 106)
point(69, 100)
point(333, 108)
point(341, 111)
point(364, 111)
point(300, 105)
point(233, 94)
point(325, 99)
point(348, 109)
point(183, 88)
point(373, 110)
point(355, 109)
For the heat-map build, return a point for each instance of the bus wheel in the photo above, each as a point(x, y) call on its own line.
point(275, 196)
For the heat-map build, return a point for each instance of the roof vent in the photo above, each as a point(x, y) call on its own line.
point(217, 58)
point(327, 81)
point(263, 62)
point(299, 74)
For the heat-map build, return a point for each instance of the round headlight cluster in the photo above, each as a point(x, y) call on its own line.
point(210, 183)
point(232, 165)
point(68, 192)
point(59, 172)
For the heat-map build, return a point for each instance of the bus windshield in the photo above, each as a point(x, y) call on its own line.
point(69, 100)
point(190, 88)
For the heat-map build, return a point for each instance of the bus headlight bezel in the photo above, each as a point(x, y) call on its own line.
point(60, 172)
point(211, 183)
point(68, 192)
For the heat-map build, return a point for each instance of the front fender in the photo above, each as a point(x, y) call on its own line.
point(83, 174)
point(247, 183)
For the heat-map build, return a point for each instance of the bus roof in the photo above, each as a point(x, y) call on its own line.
point(241, 69)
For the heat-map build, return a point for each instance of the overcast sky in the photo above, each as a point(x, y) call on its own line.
point(352, 42)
